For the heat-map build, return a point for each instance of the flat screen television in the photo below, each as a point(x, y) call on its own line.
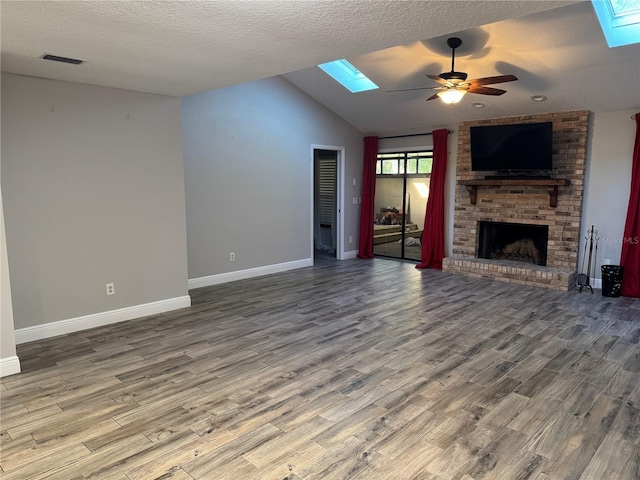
point(524, 147)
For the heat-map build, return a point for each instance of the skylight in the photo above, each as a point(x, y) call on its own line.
point(620, 20)
point(348, 76)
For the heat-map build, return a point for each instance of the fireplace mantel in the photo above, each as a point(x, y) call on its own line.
point(551, 184)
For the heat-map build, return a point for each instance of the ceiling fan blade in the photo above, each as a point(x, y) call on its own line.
point(411, 89)
point(438, 79)
point(432, 97)
point(492, 80)
point(485, 90)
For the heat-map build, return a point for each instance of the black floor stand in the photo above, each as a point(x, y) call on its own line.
point(584, 279)
point(585, 285)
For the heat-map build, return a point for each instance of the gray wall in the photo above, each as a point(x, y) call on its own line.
point(608, 182)
point(92, 180)
point(248, 173)
point(7, 340)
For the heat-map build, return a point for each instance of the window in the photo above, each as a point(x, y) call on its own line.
point(348, 76)
point(417, 163)
point(620, 20)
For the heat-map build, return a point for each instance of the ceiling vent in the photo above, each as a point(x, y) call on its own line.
point(56, 58)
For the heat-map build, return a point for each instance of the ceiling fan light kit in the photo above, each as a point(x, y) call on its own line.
point(451, 95)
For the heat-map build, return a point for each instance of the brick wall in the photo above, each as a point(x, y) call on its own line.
point(525, 204)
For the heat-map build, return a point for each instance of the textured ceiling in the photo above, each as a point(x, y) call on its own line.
point(184, 47)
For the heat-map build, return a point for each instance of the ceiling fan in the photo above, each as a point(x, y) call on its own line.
point(454, 85)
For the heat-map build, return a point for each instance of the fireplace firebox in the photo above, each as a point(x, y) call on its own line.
point(513, 241)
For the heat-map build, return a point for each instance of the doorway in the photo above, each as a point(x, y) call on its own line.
point(327, 211)
point(402, 190)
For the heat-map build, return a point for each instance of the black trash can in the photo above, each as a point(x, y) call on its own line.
point(611, 280)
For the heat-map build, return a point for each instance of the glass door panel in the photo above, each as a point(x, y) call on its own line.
point(402, 190)
point(389, 217)
point(417, 194)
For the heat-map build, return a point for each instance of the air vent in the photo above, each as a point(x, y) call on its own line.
point(56, 58)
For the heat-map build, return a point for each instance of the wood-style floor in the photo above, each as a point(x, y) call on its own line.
point(346, 370)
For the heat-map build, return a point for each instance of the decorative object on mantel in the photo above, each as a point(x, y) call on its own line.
point(584, 278)
point(551, 184)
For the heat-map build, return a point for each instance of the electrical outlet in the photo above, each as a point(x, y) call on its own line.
point(350, 239)
point(232, 257)
point(111, 289)
point(606, 261)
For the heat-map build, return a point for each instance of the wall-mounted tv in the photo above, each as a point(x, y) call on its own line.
point(512, 148)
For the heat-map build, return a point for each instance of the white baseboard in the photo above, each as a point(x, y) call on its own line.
point(9, 366)
point(61, 327)
point(248, 273)
point(350, 255)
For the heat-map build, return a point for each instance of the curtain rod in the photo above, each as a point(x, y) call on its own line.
point(410, 135)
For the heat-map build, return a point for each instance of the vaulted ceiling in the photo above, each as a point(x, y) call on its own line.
point(555, 48)
point(561, 54)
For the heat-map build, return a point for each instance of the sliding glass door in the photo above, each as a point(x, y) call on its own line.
point(402, 190)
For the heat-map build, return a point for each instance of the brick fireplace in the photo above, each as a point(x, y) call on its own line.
point(520, 204)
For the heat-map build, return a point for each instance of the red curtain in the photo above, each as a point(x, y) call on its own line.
point(433, 233)
point(630, 257)
point(365, 241)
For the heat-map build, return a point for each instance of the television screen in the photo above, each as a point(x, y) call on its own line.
point(519, 147)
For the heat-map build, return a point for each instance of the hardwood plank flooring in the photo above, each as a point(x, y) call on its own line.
point(368, 370)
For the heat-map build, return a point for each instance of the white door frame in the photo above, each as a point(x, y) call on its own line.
point(339, 197)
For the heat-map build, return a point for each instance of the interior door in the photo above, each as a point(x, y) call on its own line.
point(325, 209)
